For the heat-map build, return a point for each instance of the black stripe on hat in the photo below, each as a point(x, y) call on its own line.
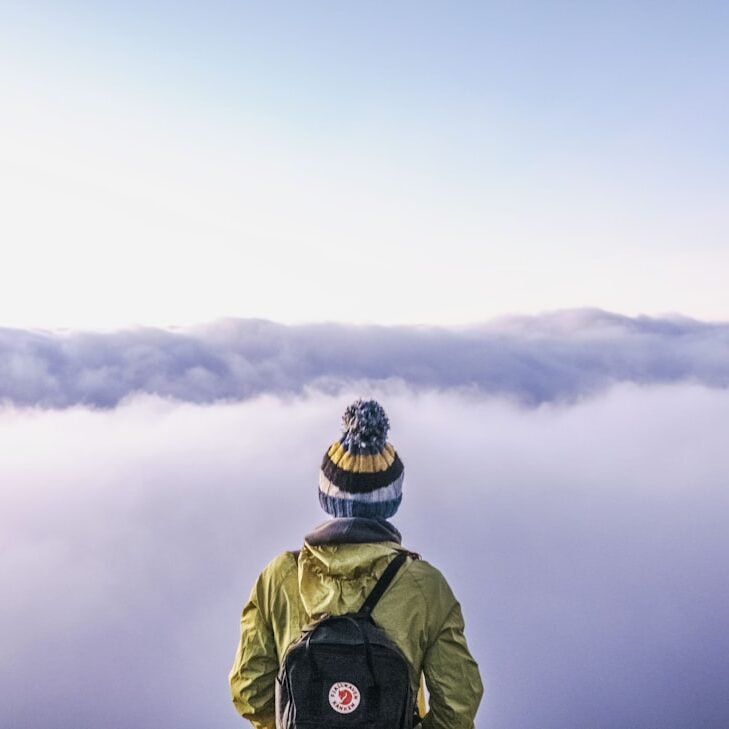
point(354, 482)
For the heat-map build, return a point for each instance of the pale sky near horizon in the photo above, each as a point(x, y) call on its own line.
point(378, 162)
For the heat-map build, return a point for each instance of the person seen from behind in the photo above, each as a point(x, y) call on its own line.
point(336, 573)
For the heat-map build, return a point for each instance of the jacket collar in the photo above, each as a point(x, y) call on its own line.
point(353, 530)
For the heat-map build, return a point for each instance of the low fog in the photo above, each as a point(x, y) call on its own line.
point(553, 357)
point(587, 543)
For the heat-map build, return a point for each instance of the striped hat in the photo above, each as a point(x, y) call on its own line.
point(361, 474)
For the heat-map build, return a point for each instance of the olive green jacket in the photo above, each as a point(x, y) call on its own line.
point(418, 612)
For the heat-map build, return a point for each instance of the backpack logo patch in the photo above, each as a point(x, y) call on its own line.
point(344, 697)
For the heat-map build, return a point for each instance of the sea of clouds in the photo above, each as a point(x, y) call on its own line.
point(560, 356)
point(567, 473)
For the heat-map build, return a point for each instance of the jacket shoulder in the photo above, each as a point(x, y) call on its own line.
point(423, 570)
point(431, 583)
point(281, 568)
point(283, 562)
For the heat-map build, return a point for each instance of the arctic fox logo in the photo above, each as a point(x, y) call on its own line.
point(344, 697)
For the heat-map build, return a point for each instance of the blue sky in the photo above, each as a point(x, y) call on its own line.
point(177, 163)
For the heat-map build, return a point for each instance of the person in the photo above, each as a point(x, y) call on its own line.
point(360, 486)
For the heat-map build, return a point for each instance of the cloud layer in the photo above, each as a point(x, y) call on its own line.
point(554, 357)
point(587, 544)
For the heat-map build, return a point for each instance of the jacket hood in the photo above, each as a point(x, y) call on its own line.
point(341, 561)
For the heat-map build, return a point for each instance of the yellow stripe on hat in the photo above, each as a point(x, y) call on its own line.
point(335, 452)
point(362, 462)
point(388, 455)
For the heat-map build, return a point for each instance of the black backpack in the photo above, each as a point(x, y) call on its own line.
point(343, 671)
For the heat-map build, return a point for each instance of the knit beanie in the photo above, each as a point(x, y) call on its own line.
point(361, 474)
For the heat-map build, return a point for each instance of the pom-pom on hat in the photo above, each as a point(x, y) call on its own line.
point(361, 474)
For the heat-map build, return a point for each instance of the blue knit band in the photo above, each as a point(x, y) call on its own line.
point(336, 506)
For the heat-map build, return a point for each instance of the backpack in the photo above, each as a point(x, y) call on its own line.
point(344, 672)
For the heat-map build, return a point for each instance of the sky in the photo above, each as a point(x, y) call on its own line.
point(397, 163)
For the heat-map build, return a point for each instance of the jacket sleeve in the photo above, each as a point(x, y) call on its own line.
point(452, 677)
point(253, 676)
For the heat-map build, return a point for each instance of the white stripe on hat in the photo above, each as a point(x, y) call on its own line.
point(386, 493)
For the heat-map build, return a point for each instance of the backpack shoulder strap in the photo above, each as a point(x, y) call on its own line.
point(383, 583)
